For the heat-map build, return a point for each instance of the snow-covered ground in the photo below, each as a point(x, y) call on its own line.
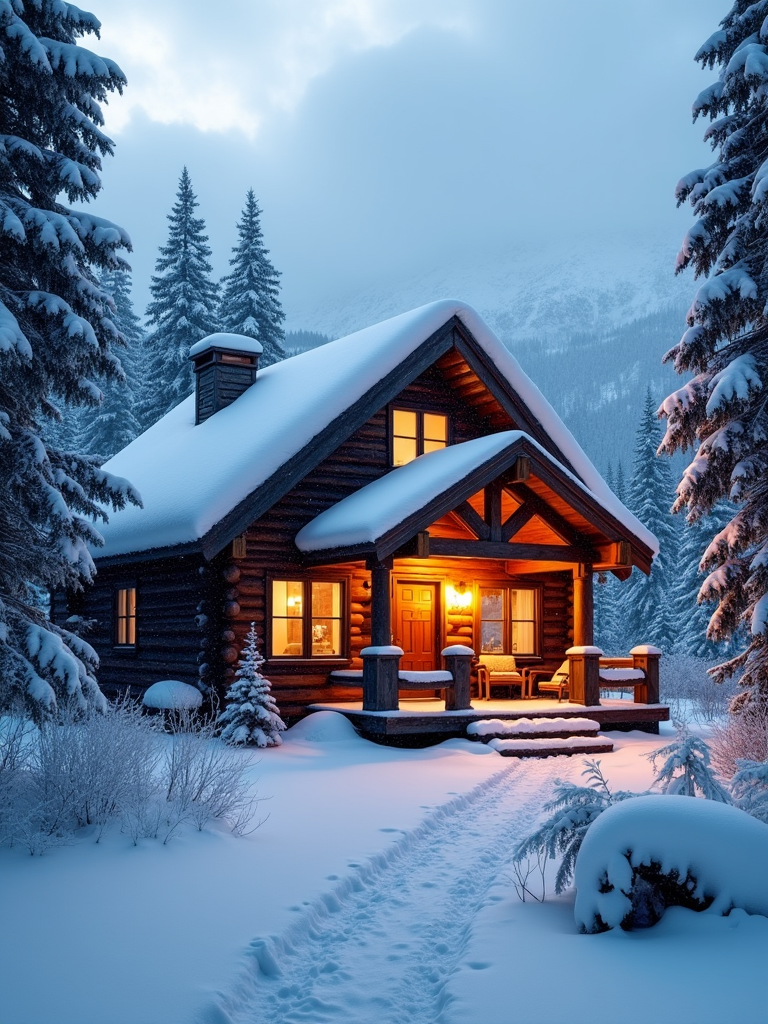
point(378, 890)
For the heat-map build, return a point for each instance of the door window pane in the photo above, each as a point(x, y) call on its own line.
point(288, 618)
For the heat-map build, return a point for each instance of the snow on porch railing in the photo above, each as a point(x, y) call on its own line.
point(590, 671)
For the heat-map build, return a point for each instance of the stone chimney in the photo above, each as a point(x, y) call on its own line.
point(225, 367)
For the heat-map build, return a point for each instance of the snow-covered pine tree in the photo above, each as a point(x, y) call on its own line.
point(114, 425)
point(723, 409)
point(686, 770)
point(621, 483)
point(56, 334)
point(250, 301)
point(183, 306)
point(251, 717)
point(691, 615)
point(646, 600)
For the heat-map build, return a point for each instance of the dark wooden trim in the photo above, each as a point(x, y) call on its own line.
point(492, 495)
point(498, 549)
point(516, 522)
point(473, 520)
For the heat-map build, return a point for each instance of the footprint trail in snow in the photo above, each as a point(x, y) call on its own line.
point(380, 946)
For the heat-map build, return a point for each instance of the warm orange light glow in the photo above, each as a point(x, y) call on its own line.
point(459, 596)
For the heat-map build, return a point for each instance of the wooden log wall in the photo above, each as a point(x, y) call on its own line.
point(168, 637)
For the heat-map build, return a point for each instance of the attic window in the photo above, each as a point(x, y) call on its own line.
point(415, 433)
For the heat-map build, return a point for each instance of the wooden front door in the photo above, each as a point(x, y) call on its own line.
point(416, 620)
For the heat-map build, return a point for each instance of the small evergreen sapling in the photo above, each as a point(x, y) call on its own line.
point(251, 717)
point(573, 808)
point(687, 770)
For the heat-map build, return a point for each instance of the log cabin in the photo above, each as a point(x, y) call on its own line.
point(405, 489)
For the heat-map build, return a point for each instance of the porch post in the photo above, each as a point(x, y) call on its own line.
point(584, 675)
point(381, 615)
point(647, 658)
point(458, 661)
point(380, 677)
point(583, 607)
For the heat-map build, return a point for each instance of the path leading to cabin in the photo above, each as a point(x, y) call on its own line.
point(380, 946)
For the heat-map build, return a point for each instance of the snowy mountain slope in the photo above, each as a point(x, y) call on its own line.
point(551, 291)
point(588, 322)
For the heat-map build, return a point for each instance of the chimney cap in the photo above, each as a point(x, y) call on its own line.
point(229, 342)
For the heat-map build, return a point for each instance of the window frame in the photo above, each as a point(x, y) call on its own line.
point(117, 589)
point(344, 619)
point(538, 607)
point(420, 412)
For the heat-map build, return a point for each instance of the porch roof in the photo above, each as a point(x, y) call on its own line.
point(388, 512)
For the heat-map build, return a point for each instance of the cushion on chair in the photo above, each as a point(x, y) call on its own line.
point(499, 663)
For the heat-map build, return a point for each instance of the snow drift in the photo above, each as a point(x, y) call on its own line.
point(641, 856)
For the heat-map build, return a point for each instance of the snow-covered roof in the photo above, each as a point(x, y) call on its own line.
point(190, 477)
point(231, 342)
point(370, 513)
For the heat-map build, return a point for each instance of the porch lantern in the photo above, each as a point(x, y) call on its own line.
point(458, 596)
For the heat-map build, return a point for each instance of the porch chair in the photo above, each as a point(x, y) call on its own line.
point(497, 670)
point(557, 683)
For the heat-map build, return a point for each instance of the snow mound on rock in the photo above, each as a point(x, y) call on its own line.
point(323, 727)
point(719, 850)
point(172, 695)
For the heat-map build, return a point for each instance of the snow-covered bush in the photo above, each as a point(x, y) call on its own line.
point(690, 691)
point(203, 779)
point(251, 717)
point(115, 768)
point(643, 856)
point(686, 770)
point(573, 809)
point(743, 736)
point(750, 788)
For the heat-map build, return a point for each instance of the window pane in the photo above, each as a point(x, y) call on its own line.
point(287, 618)
point(521, 604)
point(404, 423)
point(492, 638)
point(326, 619)
point(432, 446)
point(403, 450)
point(435, 428)
point(523, 638)
point(287, 597)
point(326, 637)
point(491, 604)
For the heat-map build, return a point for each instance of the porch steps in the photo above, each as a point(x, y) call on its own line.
point(541, 737)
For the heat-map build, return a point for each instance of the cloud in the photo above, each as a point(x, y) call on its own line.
point(235, 65)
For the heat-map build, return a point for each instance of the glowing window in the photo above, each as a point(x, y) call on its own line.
point(508, 620)
point(415, 433)
point(301, 633)
point(125, 617)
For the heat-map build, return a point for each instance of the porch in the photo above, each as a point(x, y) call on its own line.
point(423, 721)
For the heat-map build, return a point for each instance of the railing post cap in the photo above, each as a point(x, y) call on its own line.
point(646, 649)
point(384, 651)
point(457, 650)
point(584, 650)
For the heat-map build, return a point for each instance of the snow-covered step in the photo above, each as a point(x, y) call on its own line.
point(552, 746)
point(532, 728)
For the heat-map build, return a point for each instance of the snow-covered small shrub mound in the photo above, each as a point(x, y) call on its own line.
point(641, 856)
point(172, 695)
point(499, 727)
point(323, 727)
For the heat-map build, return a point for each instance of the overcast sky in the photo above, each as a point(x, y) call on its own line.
point(384, 136)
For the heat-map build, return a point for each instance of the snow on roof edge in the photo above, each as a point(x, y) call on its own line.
point(164, 460)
